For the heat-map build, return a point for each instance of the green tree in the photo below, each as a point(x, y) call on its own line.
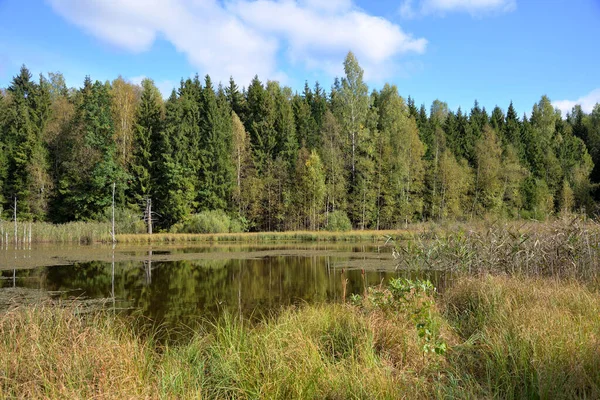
point(216, 173)
point(455, 180)
point(333, 160)
point(147, 132)
point(401, 164)
point(124, 99)
point(512, 174)
point(488, 173)
point(354, 107)
point(176, 179)
point(311, 188)
point(260, 124)
point(25, 120)
point(88, 174)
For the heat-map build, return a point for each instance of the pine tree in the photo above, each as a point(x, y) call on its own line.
point(512, 131)
point(497, 122)
point(235, 98)
point(260, 124)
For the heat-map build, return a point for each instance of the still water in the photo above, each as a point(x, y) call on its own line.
point(177, 286)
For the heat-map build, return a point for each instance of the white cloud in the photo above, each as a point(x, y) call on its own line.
point(245, 37)
point(586, 102)
point(409, 9)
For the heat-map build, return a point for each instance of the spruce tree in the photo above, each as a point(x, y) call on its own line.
point(147, 151)
point(25, 120)
point(88, 174)
point(176, 180)
point(215, 179)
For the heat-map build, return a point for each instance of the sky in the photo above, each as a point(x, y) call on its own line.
point(458, 51)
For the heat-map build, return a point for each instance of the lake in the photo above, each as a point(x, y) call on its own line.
point(177, 286)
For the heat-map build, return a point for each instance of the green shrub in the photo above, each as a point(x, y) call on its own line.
point(238, 224)
point(339, 222)
point(215, 221)
point(127, 220)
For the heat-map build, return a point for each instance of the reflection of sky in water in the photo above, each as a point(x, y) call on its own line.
point(176, 293)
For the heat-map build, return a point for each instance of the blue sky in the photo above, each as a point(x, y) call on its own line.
point(494, 51)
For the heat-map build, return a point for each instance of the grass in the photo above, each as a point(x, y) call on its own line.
point(43, 232)
point(520, 320)
point(504, 337)
point(57, 353)
point(261, 237)
point(315, 352)
point(422, 234)
point(568, 248)
point(535, 338)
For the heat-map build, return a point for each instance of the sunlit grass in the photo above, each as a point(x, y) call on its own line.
point(308, 236)
point(527, 337)
point(506, 337)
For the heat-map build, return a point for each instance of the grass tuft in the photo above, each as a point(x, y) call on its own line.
point(527, 338)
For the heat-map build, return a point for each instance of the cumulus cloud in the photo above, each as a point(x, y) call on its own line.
point(245, 37)
point(413, 8)
point(586, 102)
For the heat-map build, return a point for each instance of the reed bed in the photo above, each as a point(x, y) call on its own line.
point(43, 232)
point(128, 232)
point(567, 248)
point(262, 237)
point(526, 338)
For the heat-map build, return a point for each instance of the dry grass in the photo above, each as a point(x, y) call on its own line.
point(315, 352)
point(506, 337)
point(56, 353)
point(565, 248)
point(260, 237)
point(527, 338)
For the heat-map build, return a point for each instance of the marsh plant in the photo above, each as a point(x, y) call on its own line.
point(412, 298)
point(567, 248)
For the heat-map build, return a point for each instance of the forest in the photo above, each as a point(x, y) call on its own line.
point(272, 159)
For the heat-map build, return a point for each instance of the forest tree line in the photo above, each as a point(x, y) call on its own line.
point(279, 160)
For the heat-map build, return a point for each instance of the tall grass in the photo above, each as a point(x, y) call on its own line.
point(56, 353)
point(506, 338)
point(314, 352)
point(306, 236)
point(43, 232)
point(527, 338)
point(565, 248)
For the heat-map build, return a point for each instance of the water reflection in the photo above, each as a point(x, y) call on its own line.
point(179, 293)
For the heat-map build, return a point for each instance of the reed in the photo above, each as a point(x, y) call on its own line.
point(564, 248)
point(526, 337)
point(54, 352)
point(262, 237)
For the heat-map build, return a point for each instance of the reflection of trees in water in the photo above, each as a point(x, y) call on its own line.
point(27, 278)
point(181, 292)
